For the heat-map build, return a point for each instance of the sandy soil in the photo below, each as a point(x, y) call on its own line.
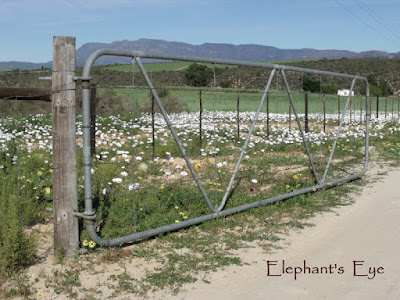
point(358, 246)
point(352, 253)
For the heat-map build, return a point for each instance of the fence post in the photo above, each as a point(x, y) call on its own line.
point(238, 114)
point(66, 236)
point(201, 119)
point(324, 99)
point(385, 107)
point(338, 111)
point(93, 119)
point(290, 115)
point(268, 114)
point(377, 107)
point(306, 112)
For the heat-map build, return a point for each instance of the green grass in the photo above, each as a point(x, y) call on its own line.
point(226, 100)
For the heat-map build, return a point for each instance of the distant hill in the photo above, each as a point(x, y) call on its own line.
point(228, 51)
point(249, 52)
point(12, 65)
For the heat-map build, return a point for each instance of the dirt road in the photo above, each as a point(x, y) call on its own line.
point(353, 253)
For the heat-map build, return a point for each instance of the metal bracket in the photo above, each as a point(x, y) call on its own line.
point(84, 216)
point(76, 78)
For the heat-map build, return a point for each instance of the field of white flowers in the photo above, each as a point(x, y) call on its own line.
point(141, 181)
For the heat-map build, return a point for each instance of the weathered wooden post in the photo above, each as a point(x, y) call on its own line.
point(377, 107)
point(65, 196)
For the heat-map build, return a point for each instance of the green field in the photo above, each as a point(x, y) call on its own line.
point(226, 100)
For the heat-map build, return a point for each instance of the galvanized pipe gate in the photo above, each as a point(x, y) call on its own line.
point(216, 211)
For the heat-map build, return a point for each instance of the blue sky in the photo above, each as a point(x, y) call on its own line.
point(27, 27)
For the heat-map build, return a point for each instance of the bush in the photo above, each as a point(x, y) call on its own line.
point(170, 103)
point(198, 75)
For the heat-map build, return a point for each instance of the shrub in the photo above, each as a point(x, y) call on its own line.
point(170, 103)
point(198, 75)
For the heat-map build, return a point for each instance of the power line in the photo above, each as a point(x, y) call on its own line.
point(365, 8)
point(372, 14)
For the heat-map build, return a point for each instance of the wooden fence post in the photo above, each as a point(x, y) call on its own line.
point(377, 107)
point(66, 235)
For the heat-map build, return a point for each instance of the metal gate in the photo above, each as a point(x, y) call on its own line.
point(218, 208)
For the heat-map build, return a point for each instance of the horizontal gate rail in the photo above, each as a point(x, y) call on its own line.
point(217, 211)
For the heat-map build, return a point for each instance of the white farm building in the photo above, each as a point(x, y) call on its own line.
point(344, 93)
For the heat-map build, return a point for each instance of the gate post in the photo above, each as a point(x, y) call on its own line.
point(65, 196)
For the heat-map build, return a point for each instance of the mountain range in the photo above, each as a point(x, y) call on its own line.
point(248, 52)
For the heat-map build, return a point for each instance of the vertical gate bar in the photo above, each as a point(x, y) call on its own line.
point(93, 119)
point(243, 150)
point(306, 112)
point(174, 134)
point(300, 128)
point(350, 107)
point(201, 119)
point(338, 132)
point(238, 114)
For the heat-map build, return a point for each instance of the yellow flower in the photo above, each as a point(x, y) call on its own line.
point(85, 243)
point(185, 217)
point(314, 189)
point(196, 166)
point(176, 207)
point(40, 294)
point(182, 213)
point(46, 190)
point(176, 221)
point(51, 170)
point(295, 177)
point(39, 173)
point(162, 187)
point(92, 244)
point(287, 187)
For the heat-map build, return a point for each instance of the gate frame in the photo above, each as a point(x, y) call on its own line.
point(90, 216)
